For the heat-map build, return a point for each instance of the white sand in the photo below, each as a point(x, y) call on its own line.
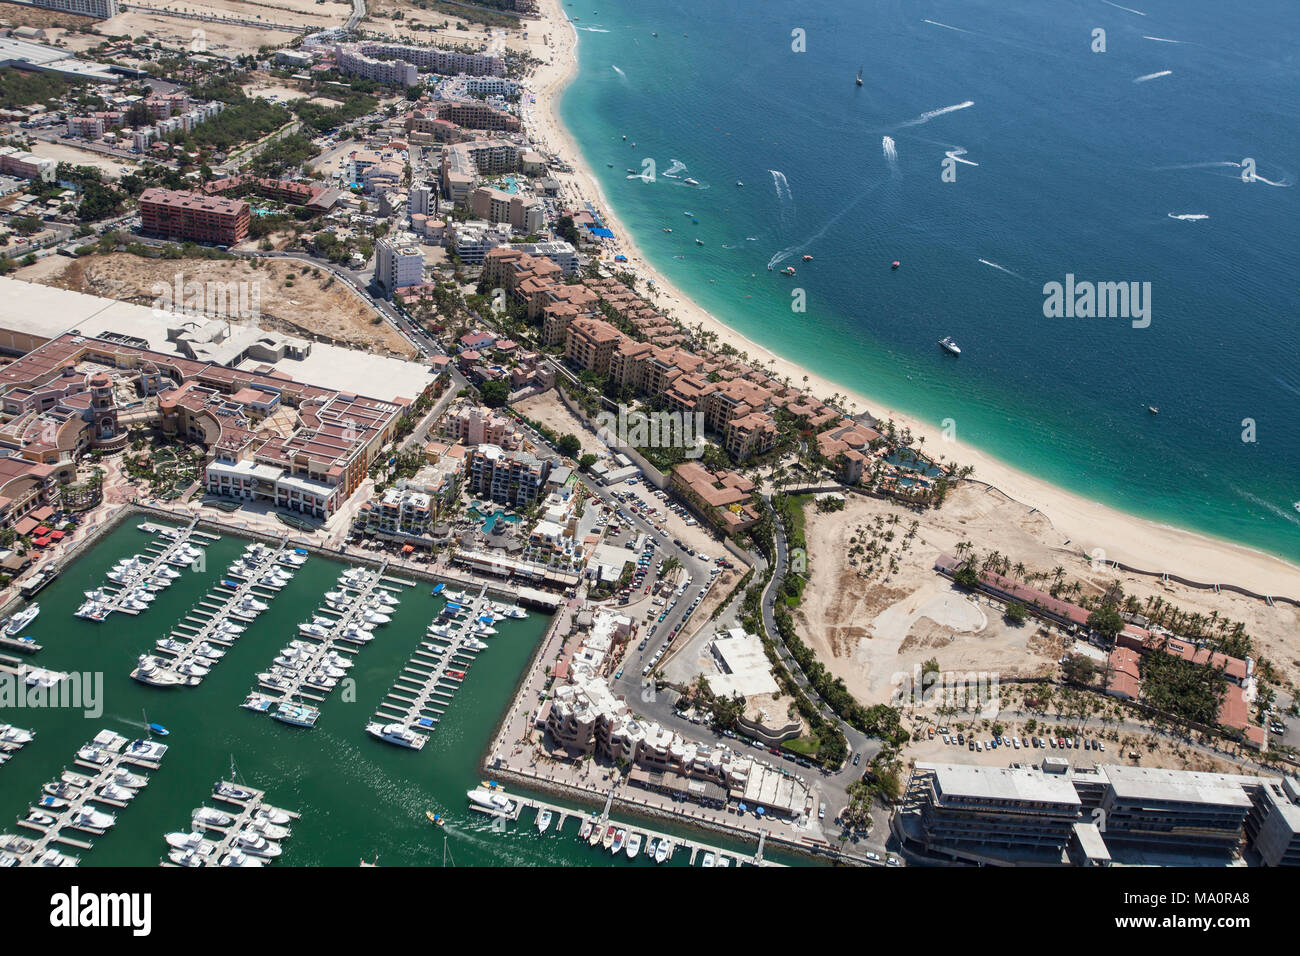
point(1087, 524)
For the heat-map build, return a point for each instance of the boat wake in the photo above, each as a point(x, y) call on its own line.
point(614, 67)
point(945, 26)
point(926, 117)
point(1190, 216)
point(1153, 76)
point(1162, 39)
point(1292, 516)
point(1125, 9)
point(891, 155)
point(593, 30)
point(790, 250)
point(784, 197)
point(994, 265)
point(675, 166)
point(956, 154)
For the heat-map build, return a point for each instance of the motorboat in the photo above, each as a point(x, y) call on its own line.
point(79, 780)
point(319, 680)
point(55, 858)
point(258, 845)
point(314, 629)
point(9, 734)
point(271, 814)
point(258, 702)
point(375, 617)
point(40, 677)
point(207, 816)
point(585, 831)
point(491, 799)
point(93, 754)
point(88, 818)
point(651, 846)
point(52, 803)
point(397, 734)
point(170, 644)
point(125, 778)
point(149, 750)
point(112, 791)
point(194, 841)
point(634, 845)
point(662, 851)
point(708, 861)
point(40, 819)
point(948, 345)
point(207, 650)
point(237, 857)
point(300, 715)
point(619, 839)
point(788, 271)
point(691, 182)
point(20, 620)
point(187, 858)
point(544, 818)
point(192, 668)
point(156, 672)
point(269, 830)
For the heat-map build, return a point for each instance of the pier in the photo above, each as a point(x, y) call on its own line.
point(302, 671)
point(695, 848)
point(244, 819)
point(104, 762)
point(199, 640)
point(135, 580)
point(428, 682)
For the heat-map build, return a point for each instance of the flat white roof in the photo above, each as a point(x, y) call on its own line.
point(1002, 783)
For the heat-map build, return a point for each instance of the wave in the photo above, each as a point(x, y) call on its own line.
point(994, 265)
point(926, 117)
point(1126, 9)
point(1153, 76)
point(1189, 216)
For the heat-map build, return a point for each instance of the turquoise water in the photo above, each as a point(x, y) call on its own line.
point(493, 518)
point(1080, 170)
point(358, 797)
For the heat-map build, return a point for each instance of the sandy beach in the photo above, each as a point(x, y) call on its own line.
point(1086, 525)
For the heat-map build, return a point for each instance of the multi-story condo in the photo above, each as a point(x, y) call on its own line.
point(445, 62)
point(172, 214)
point(100, 9)
point(391, 72)
point(399, 262)
point(474, 425)
point(590, 344)
point(516, 478)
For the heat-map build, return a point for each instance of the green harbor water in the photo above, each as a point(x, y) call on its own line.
point(359, 797)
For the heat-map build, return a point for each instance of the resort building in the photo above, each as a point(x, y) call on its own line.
point(99, 9)
point(24, 165)
point(721, 498)
point(516, 478)
point(472, 424)
point(172, 214)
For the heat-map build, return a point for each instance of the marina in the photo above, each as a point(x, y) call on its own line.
point(134, 581)
point(430, 678)
point(310, 666)
point(245, 831)
point(202, 637)
point(12, 740)
point(106, 777)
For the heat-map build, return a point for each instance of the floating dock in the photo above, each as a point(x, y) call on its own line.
point(103, 762)
point(243, 812)
point(150, 572)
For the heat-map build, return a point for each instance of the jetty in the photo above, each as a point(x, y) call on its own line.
point(106, 778)
point(429, 680)
point(134, 581)
point(251, 818)
point(200, 639)
point(308, 668)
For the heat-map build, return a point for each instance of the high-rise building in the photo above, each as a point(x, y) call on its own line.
point(172, 214)
point(399, 262)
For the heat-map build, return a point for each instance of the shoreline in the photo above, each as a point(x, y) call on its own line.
point(1086, 525)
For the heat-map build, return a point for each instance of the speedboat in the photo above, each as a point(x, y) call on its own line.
point(948, 345)
point(691, 182)
point(55, 858)
point(125, 778)
point(188, 858)
point(619, 839)
point(170, 644)
point(651, 846)
point(93, 754)
point(375, 617)
point(634, 845)
point(788, 271)
point(39, 818)
point(662, 851)
point(708, 861)
point(192, 668)
point(544, 820)
point(585, 832)
point(397, 734)
point(111, 791)
point(807, 258)
point(88, 818)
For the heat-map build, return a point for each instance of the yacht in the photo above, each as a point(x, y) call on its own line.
point(154, 671)
point(948, 345)
point(237, 857)
point(383, 597)
point(662, 851)
point(258, 845)
point(88, 818)
point(170, 644)
point(9, 734)
point(55, 858)
point(314, 629)
point(258, 702)
point(149, 750)
point(300, 715)
point(187, 858)
point(39, 818)
point(375, 617)
point(207, 650)
point(231, 792)
point(651, 846)
point(691, 182)
point(319, 680)
point(20, 620)
point(76, 779)
point(111, 791)
point(93, 754)
point(607, 840)
point(271, 814)
point(397, 734)
point(619, 838)
point(193, 841)
point(474, 644)
point(191, 668)
point(40, 677)
point(634, 845)
point(491, 799)
point(92, 610)
point(708, 861)
point(544, 820)
point(269, 830)
point(292, 560)
point(213, 818)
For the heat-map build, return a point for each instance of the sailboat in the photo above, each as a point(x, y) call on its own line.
point(859, 81)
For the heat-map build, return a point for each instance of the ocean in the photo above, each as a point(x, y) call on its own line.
point(991, 151)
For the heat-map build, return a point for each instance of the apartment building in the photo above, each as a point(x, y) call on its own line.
point(353, 61)
point(590, 344)
point(431, 59)
point(99, 9)
point(399, 262)
point(172, 214)
point(24, 165)
point(475, 425)
point(476, 114)
point(721, 498)
point(517, 478)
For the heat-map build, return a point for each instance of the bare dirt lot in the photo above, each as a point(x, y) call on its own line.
point(868, 625)
point(307, 305)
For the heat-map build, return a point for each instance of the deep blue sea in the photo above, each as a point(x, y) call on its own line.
point(1117, 166)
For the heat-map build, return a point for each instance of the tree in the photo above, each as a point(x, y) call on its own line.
point(1106, 621)
point(586, 461)
point(1078, 669)
point(1016, 612)
point(569, 445)
point(494, 394)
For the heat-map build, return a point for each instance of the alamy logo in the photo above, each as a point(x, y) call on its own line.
point(78, 690)
point(634, 429)
point(75, 909)
point(1099, 300)
point(231, 300)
